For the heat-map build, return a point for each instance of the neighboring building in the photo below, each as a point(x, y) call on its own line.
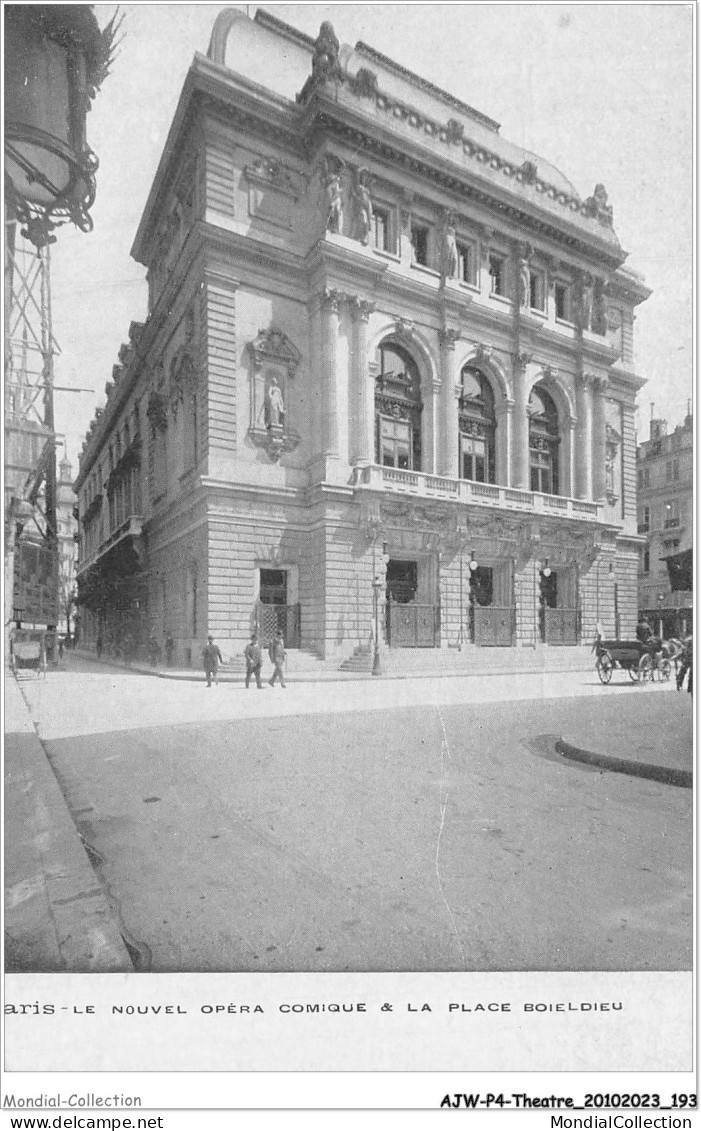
point(384, 345)
point(67, 528)
point(665, 518)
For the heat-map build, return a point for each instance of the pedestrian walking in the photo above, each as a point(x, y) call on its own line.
point(60, 648)
point(98, 646)
point(277, 658)
point(254, 659)
point(212, 658)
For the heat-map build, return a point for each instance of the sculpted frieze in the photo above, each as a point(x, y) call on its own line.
point(415, 514)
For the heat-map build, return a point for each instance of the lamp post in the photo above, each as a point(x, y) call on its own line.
point(56, 57)
point(377, 583)
point(660, 600)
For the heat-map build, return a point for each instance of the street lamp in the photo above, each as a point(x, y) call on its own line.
point(377, 583)
point(661, 601)
point(56, 57)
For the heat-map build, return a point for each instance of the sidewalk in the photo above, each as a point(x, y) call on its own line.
point(57, 916)
point(663, 752)
point(519, 662)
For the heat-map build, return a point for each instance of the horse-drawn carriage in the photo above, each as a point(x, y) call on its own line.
point(28, 650)
point(641, 660)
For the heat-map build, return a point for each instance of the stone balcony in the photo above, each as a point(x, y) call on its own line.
point(131, 528)
point(423, 486)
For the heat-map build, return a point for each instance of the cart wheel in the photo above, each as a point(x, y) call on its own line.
point(604, 667)
point(665, 670)
point(645, 668)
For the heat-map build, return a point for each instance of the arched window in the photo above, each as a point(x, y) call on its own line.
point(477, 425)
point(543, 441)
point(397, 409)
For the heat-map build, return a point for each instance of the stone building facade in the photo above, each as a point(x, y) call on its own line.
point(665, 520)
point(388, 357)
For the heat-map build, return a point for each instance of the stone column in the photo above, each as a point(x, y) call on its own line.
point(429, 431)
point(362, 390)
point(448, 453)
point(504, 411)
point(330, 306)
point(598, 446)
point(583, 445)
point(520, 461)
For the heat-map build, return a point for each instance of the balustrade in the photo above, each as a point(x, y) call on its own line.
point(420, 484)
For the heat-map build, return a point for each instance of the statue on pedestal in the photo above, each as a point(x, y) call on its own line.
point(274, 406)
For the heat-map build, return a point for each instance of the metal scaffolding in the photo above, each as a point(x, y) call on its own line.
point(30, 438)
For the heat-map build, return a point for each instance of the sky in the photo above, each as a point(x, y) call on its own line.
point(603, 91)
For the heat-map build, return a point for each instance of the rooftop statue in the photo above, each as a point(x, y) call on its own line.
point(325, 60)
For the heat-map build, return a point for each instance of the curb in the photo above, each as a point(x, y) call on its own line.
point(57, 916)
point(665, 774)
point(186, 675)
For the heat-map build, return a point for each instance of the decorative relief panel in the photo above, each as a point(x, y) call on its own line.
point(273, 191)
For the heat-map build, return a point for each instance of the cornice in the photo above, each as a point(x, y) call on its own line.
point(428, 87)
point(627, 377)
point(249, 251)
point(324, 115)
point(344, 262)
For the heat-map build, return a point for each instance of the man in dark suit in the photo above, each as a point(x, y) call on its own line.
point(211, 657)
point(254, 659)
point(277, 657)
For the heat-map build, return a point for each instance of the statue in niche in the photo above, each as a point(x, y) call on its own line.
point(362, 206)
point(274, 405)
point(599, 317)
point(334, 200)
point(524, 283)
point(449, 249)
point(585, 297)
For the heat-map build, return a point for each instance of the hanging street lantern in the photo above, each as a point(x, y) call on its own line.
point(56, 58)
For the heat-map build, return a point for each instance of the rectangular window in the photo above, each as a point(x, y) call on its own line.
point(419, 242)
point(671, 513)
point(675, 470)
point(395, 443)
point(496, 274)
point(467, 263)
point(644, 521)
point(541, 472)
point(473, 458)
point(646, 560)
point(537, 296)
point(640, 480)
point(382, 229)
point(646, 477)
point(563, 302)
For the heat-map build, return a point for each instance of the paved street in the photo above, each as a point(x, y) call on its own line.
point(407, 825)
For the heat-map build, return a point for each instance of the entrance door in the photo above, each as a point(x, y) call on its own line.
point(274, 612)
point(558, 608)
point(410, 623)
point(491, 611)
